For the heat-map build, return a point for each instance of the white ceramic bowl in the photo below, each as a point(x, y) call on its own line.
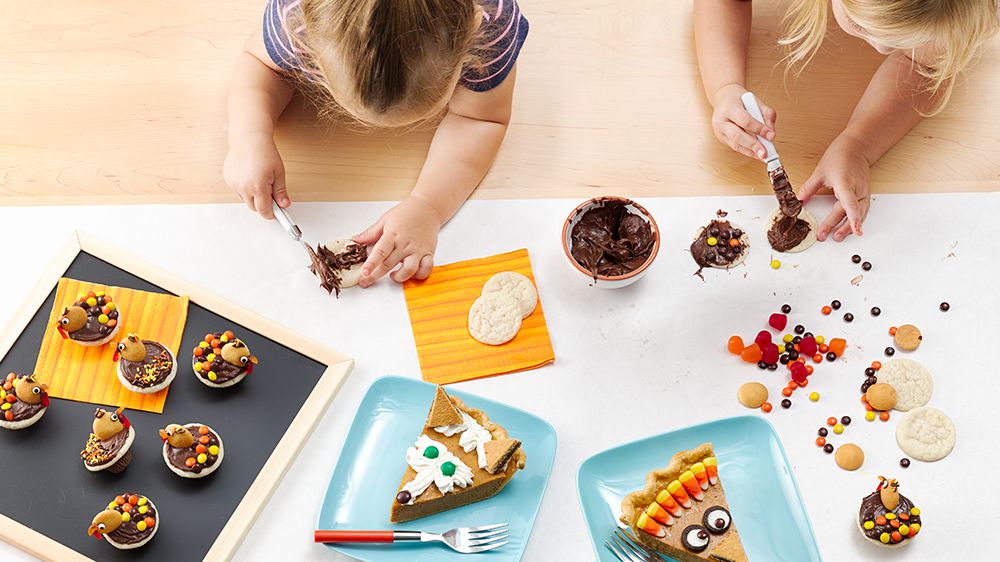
point(609, 281)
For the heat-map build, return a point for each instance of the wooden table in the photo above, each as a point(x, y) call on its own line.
point(124, 102)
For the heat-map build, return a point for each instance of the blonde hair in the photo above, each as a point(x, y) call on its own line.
point(956, 31)
point(398, 57)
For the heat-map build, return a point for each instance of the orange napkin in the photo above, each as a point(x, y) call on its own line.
point(87, 374)
point(439, 312)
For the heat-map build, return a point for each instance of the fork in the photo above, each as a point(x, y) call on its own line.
point(467, 540)
point(628, 549)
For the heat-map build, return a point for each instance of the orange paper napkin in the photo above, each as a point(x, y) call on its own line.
point(87, 374)
point(439, 313)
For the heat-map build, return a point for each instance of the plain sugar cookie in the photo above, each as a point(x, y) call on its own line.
point(516, 285)
point(806, 242)
point(912, 381)
point(494, 318)
point(926, 434)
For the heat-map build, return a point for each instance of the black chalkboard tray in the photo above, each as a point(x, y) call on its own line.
point(49, 499)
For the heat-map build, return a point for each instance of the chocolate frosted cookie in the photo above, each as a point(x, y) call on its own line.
point(222, 360)
point(338, 264)
point(720, 244)
point(109, 446)
point(23, 401)
point(129, 521)
point(791, 234)
point(193, 450)
point(610, 240)
point(144, 366)
point(92, 320)
point(888, 518)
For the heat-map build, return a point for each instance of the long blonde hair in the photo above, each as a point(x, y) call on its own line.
point(957, 31)
point(397, 56)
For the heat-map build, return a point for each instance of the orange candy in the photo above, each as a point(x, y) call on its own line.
point(823, 348)
point(200, 449)
point(876, 365)
point(880, 520)
point(786, 391)
point(149, 521)
point(896, 537)
point(766, 407)
point(119, 500)
point(190, 461)
point(229, 334)
point(209, 337)
point(107, 299)
point(204, 439)
point(826, 310)
point(11, 398)
point(133, 499)
point(837, 346)
point(751, 353)
point(127, 507)
point(831, 421)
point(884, 416)
point(8, 415)
point(203, 430)
point(820, 441)
point(217, 351)
point(892, 331)
point(818, 358)
point(112, 323)
point(809, 369)
point(793, 385)
point(198, 352)
point(7, 385)
point(735, 345)
point(894, 523)
point(804, 383)
point(904, 516)
point(733, 242)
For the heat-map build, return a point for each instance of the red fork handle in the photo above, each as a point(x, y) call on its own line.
point(353, 536)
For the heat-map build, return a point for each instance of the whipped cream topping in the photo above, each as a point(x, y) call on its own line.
point(430, 469)
point(474, 436)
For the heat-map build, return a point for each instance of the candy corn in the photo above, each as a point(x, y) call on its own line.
point(646, 524)
point(690, 484)
point(701, 473)
point(677, 491)
point(659, 514)
point(668, 503)
point(712, 466)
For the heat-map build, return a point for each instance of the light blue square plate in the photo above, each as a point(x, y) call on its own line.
point(372, 462)
point(765, 501)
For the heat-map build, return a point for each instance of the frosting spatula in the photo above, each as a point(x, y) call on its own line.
point(787, 201)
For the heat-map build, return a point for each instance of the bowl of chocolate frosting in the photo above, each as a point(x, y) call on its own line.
point(611, 240)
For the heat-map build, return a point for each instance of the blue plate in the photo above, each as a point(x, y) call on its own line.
point(767, 508)
point(372, 462)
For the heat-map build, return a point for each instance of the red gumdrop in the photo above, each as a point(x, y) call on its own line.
point(799, 372)
point(778, 321)
point(807, 346)
point(751, 353)
point(763, 337)
point(769, 353)
point(735, 345)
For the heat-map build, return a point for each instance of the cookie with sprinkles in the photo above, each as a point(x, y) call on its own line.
point(888, 518)
point(144, 366)
point(93, 319)
point(192, 450)
point(221, 359)
point(23, 401)
point(109, 446)
point(129, 521)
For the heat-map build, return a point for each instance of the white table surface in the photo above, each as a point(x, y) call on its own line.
point(644, 359)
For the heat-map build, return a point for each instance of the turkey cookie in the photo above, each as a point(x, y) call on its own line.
point(144, 366)
point(109, 447)
point(791, 234)
point(494, 318)
point(23, 401)
point(129, 521)
point(92, 320)
point(720, 244)
point(222, 360)
point(926, 434)
point(888, 518)
point(193, 450)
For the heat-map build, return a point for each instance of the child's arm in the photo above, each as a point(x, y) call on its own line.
point(462, 151)
point(257, 96)
point(722, 33)
point(888, 110)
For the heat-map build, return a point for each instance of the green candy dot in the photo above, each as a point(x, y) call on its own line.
point(448, 468)
point(431, 452)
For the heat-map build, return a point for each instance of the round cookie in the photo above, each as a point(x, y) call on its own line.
point(849, 456)
point(744, 242)
point(805, 215)
point(908, 337)
point(494, 318)
point(881, 396)
point(752, 394)
point(517, 286)
point(348, 277)
point(912, 381)
point(926, 434)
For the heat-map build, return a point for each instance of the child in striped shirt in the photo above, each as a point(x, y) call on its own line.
point(384, 63)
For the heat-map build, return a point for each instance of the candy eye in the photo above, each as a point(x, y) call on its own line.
point(101, 526)
point(695, 538)
point(114, 417)
point(717, 519)
point(64, 321)
point(121, 347)
point(244, 359)
point(36, 390)
point(170, 433)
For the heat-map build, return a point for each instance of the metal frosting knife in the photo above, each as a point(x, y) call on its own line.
point(290, 227)
point(787, 200)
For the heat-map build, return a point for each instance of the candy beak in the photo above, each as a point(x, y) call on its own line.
point(62, 332)
point(163, 435)
point(92, 532)
point(253, 359)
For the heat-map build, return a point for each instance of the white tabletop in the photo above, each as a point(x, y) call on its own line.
point(646, 359)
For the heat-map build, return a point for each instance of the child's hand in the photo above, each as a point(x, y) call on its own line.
point(406, 234)
point(735, 127)
point(254, 170)
point(844, 169)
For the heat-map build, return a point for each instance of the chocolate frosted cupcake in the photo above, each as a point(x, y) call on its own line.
point(23, 401)
point(92, 320)
point(130, 521)
point(222, 360)
point(191, 451)
point(109, 446)
point(720, 244)
point(888, 518)
point(144, 366)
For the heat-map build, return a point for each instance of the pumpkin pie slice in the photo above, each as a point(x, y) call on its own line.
point(460, 457)
point(683, 513)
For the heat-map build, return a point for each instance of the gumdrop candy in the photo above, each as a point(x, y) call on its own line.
point(799, 372)
point(735, 345)
point(778, 321)
point(659, 514)
point(762, 337)
point(769, 353)
point(837, 346)
point(807, 346)
point(650, 527)
point(751, 353)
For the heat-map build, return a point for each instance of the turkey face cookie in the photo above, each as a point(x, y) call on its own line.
point(144, 366)
point(222, 360)
point(23, 401)
point(888, 518)
point(92, 320)
point(129, 521)
point(193, 450)
point(109, 447)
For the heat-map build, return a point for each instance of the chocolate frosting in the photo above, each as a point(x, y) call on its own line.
point(787, 201)
point(21, 410)
point(872, 508)
point(128, 532)
point(787, 232)
point(224, 371)
point(327, 265)
point(151, 371)
point(177, 455)
point(722, 254)
point(104, 450)
point(93, 330)
point(609, 240)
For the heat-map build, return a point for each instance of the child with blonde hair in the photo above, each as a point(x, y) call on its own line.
point(383, 63)
point(927, 43)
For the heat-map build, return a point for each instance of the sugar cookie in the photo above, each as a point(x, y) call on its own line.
point(494, 318)
point(517, 286)
point(926, 434)
point(802, 245)
point(912, 381)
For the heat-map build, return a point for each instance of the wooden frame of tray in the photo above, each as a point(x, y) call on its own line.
point(338, 368)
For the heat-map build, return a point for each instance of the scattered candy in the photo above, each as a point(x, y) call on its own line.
point(775, 264)
point(762, 338)
point(866, 265)
point(735, 345)
point(884, 416)
point(814, 396)
point(786, 308)
point(822, 432)
point(890, 351)
point(828, 448)
point(870, 416)
point(751, 353)
point(787, 338)
point(945, 307)
point(856, 258)
point(904, 462)
point(799, 329)
point(807, 345)
point(876, 311)
point(826, 310)
point(846, 420)
point(838, 346)
point(831, 356)
point(838, 429)
point(876, 365)
point(778, 322)
point(892, 330)
point(766, 407)
point(820, 441)
point(786, 403)
point(786, 391)
point(831, 421)
point(818, 358)
point(769, 353)
point(848, 317)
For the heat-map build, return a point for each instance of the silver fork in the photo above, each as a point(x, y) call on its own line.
point(627, 548)
point(467, 540)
